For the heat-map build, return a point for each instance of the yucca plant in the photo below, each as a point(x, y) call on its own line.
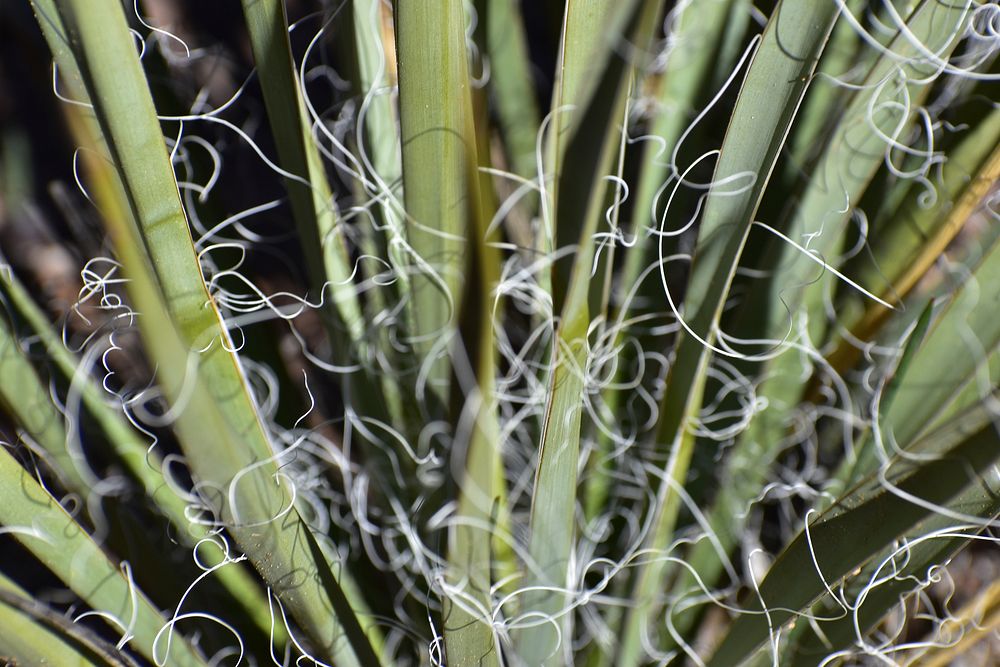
point(486, 332)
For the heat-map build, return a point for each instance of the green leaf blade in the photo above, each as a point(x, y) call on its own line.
point(856, 528)
point(54, 538)
point(770, 95)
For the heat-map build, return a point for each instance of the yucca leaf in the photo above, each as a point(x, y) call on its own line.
point(802, 642)
point(769, 97)
point(855, 529)
point(825, 100)
point(244, 494)
point(27, 400)
point(921, 230)
point(379, 168)
point(321, 231)
point(856, 150)
point(590, 98)
point(445, 218)
point(439, 162)
point(39, 523)
point(860, 144)
point(378, 131)
point(33, 634)
point(479, 543)
point(484, 271)
point(134, 454)
point(217, 423)
point(984, 383)
point(908, 250)
point(131, 450)
point(695, 33)
point(796, 297)
point(959, 342)
point(892, 574)
point(934, 541)
point(468, 615)
point(511, 82)
point(909, 351)
point(495, 324)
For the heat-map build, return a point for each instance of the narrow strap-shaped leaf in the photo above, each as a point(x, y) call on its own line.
point(803, 643)
point(244, 493)
point(907, 251)
point(479, 329)
point(320, 230)
point(985, 383)
point(864, 461)
point(856, 150)
point(697, 28)
point(131, 450)
point(553, 505)
point(439, 162)
point(379, 132)
point(380, 168)
point(481, 521)
point(27, 400)
point(39, 523)
point(856, 528)
point(797, 289)
point(696, 31)
point(935, 541)
point(468, 613)
point(770, 95)
point(511, 82)
point(825, 99)
point(959, 342)
point(887, 104)
point(591, 33)
point(217, 422)
point(33, 634)
point(589, 98)
point(589, 107)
